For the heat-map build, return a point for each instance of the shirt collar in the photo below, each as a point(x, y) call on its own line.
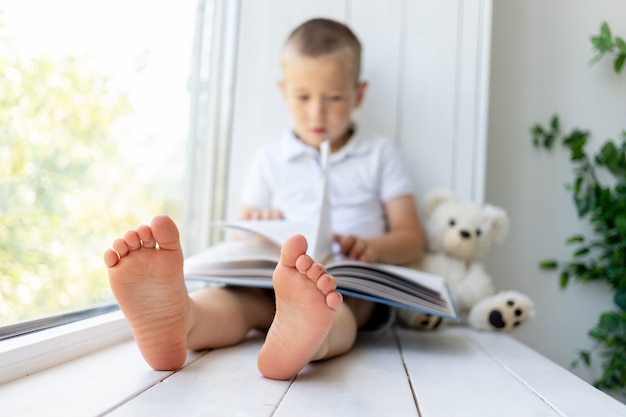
point(293, 148)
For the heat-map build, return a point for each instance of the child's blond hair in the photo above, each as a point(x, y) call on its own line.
point(321, 37)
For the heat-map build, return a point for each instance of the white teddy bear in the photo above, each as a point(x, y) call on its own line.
point(458, 233)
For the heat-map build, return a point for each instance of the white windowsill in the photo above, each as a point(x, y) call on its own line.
point(24, 355)
point(454, 371)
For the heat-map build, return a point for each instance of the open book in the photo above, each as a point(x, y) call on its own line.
point(251, 262)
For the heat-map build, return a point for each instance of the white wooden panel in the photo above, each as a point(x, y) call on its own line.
point(369, 381)
point(428, 91)
point(456, 371)
point(86, 386)
point(426, 62)
point(37, 351)
point(224, 382)
point(378, 24)
point(260, 115)
point(472, 96)
point(452, 376)
point(565, 392)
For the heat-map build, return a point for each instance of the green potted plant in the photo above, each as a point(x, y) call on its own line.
point(602, 256)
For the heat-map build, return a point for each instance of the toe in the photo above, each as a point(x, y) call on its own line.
point(334, 300)
point(326, 283)
point(111, 258)
point(121, 247)
point(165, 233)
point(292, 249)
point(312, 270)
point(304, 263)
point(132, 240)
point(145, 234)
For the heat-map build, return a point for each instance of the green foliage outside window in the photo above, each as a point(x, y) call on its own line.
point(62, 185)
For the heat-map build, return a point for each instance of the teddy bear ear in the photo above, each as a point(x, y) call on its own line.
point(437, 197)
point(499, 222)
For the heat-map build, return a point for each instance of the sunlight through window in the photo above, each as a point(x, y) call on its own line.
point(93, 127)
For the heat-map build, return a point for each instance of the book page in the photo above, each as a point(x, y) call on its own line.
point(276, 231)
point(321, 245)
point(318, 232)
point(402, 285)
point(250, 262)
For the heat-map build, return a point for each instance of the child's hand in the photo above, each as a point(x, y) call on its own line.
point(253, 213)
point(356, 248)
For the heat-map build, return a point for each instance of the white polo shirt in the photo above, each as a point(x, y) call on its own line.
point(286, 175)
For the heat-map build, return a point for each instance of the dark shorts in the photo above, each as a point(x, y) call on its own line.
point(381, 319)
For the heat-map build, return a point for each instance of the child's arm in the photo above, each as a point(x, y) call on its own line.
point(402, 244)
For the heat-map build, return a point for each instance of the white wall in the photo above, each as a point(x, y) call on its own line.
point(540, 54)
point(426, 64)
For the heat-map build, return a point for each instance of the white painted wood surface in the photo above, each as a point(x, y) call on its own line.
point(86, 386)
point(376, 386)
point(31, 353)
point(426, 62)
point(453, 372)
point(450, 369)
point(222, 382)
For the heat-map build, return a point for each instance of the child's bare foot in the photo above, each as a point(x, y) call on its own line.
point(306, 306)
point(146, 275)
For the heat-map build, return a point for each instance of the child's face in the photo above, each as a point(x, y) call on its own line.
point(321, 94)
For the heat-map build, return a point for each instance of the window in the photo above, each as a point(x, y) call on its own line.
point(93, 131)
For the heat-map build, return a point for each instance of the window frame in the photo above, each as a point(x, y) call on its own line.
point(29, 353)
point(212, 82)
point(31, 326)
point(32, 346)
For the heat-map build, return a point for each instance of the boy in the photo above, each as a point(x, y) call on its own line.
point(370, 196)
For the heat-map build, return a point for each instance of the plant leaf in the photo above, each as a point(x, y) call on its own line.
point(620, 298)
point(605, 31)
point(621, 44)
point(575, 239)
point(601, 44)
point(596, 58)
point(619, 62)
point(555, 124)
point(581, 252)
point(620, 223)
point(548, 265)
point(585, 355)
point(536, 132)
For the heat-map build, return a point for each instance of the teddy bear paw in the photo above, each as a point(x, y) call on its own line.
point(502, 312)
point(419, 321)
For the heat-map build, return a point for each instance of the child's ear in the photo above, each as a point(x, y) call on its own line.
point(360, 93)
